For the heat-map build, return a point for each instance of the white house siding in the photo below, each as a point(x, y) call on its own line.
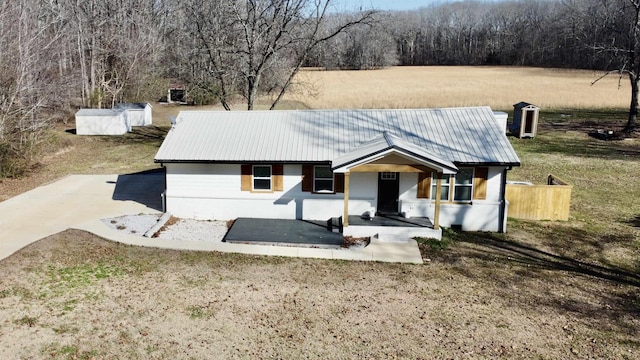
point(482, 215)
point(212, 191)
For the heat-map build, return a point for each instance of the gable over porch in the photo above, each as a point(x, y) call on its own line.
point(388, 156)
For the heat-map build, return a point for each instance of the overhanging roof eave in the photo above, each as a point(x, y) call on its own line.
point(435, 163)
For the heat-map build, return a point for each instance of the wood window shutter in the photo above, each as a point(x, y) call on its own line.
point(245, 175)
point(307, 178)
point(424, 185)
point(480, 176)
point(338, 183)
point(277, 176)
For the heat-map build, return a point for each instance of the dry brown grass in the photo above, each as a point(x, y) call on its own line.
point(75, 296)
point(448, 86)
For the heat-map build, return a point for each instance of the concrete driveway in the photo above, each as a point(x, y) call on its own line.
point(74, 201)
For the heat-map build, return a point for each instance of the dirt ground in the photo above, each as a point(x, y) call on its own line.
point(75, 296)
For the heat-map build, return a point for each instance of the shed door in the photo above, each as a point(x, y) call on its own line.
point(388, 191)
point(528, 121)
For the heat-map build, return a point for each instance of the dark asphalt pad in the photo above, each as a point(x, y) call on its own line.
point(294, 232)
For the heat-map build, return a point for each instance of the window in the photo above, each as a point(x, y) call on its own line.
point(463, 187)
point(387, 175)
point(444, 195)
point(322, 179)
point(467, 185)
point(262, 177)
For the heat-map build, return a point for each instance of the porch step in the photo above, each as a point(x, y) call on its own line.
point(392, 234)
point(391, 238)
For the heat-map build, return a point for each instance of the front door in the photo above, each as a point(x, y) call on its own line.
point(388, 191)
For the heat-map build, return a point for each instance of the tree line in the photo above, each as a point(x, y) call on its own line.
point(541, 33)
point(58, 55)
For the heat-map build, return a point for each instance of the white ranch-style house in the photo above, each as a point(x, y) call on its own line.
point(448, 165)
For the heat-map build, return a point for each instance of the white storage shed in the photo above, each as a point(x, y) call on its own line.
point(101, 122)
point(138, 114)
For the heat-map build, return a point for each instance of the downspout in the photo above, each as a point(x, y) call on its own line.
point(164, 193)
point(503, 202)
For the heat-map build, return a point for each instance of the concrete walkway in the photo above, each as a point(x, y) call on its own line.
point(81, 201)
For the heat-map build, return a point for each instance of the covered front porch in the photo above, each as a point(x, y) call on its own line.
point(389, 156)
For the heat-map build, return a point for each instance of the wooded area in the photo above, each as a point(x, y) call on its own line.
point(60, 55)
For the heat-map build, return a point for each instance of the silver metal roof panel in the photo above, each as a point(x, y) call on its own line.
point(460, 135)
point(98, 112)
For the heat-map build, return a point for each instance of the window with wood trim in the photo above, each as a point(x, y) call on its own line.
point(317, 178)
point(322, 179)
point(261, 178)
point(467, 185)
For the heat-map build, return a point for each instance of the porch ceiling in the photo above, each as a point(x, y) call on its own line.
point(387, 148)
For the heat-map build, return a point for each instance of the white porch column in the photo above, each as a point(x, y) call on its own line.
point(436, 215)
point(345, 218)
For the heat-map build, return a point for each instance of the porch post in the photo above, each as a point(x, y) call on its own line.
point(436, 215)
point(345, 218)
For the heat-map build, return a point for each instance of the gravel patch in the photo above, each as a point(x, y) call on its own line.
point(183, 229)
point(195, 230)
point(132, 224)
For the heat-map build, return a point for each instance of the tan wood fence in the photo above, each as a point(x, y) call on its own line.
point(540, 202)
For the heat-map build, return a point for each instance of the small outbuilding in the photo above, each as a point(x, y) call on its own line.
point(525, 120)
point(101, 122)
point(501, 118)
point(138, 114)
point(177, 94)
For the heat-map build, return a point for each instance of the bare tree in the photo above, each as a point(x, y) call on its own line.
point(27, 79)
point(621, 46)
point(257, 47)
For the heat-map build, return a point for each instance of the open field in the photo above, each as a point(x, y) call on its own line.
point(544, 290)
point(449, 86)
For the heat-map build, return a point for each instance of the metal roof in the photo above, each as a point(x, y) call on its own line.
point(387, 143)
point(98, 112)
point(460, 135)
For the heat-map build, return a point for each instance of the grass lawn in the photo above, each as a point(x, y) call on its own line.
point(544, 290)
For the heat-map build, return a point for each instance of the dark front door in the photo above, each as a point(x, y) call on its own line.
point(388, 190)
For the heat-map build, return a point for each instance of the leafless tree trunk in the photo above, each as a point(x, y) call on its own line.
point(622, 47)
point(256, 47)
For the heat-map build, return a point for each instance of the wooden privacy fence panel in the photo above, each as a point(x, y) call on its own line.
point(539, 202)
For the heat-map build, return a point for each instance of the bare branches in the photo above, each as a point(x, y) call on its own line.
point(620, 72)
point(265, 42)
